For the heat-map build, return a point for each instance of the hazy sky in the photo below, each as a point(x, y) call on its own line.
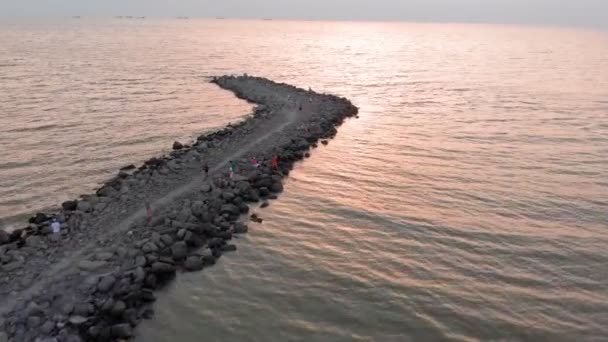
point(593, 13)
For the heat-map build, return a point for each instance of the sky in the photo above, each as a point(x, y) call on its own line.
point(586, 13)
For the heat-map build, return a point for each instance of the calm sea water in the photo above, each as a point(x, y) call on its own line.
point(469, 201)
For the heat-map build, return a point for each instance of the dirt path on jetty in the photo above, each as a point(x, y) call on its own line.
point(96, 281)
point(70, 262)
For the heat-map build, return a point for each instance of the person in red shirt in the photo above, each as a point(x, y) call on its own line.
point(275, 162)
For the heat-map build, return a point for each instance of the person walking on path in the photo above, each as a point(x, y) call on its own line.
point(274, 162)
point(231, 169)
point(206, 170)
point(148, 212)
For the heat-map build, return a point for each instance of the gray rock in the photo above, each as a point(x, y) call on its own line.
point(139, 275)
point(3, 337)
point(106, 283)
point(83, 309)
point(33, 322)
point(181, 233)
point(228, 248)
point(184, 214)
point(121, 331)
point(228, 196)
point(4, 237)
point(106, 191)
point(119, 308)
point(193, 263)
point(166, 239)
point(264, 204)
point(84, 206)
point(100, 206)
point(47, 327)
point(140, 261)
point(276, 187)
point(33, 241)
point(205, 188)
point(73, 338)
point(179, 250)
point(78, 320)
point(149, 247)
point(229, 209)
point(33, 309)
point(240, 228)
point(161, 267)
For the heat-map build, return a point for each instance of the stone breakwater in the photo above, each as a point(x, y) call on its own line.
point(96, 280)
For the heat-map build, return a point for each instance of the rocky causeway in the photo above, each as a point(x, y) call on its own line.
point(96, 280)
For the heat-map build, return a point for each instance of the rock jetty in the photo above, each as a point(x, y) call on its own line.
point(96, 280)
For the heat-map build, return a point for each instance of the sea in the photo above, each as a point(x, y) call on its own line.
point(469, 200)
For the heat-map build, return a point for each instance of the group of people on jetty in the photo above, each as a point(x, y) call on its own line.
point(274, 164)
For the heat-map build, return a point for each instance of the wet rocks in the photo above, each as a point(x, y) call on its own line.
point(69, 205)
point(106, 283)
point(121, 331)
point(179, 250)
point(177, 145)
point(194, 263)
point(4, 237)
point(84, 206)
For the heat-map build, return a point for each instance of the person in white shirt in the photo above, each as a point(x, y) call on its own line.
point(56, 226)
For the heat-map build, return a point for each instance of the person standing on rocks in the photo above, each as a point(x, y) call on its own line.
point(274, 162)
point(206, 170)
point(231, 169)
point(148, 212)
point(56, 226)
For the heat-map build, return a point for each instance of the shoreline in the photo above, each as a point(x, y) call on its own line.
point(97, 280)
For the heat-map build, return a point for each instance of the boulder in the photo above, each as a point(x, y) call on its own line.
point(228, 196)
point(4, 237)
point(228, 248)
point(106, 191)
point(198, 207)
point(276, 187)
point(264, 204)
point(206, 188)
point(177, 145)
point(179, 250)
point(83, 309)
point(230, 209)
point(84, 206)
point(100, 206)
point(193, 263)
point(216, 242)
point(240, 228)
point(118, 309)
point(121, 331)
point(162, 267)
point(78, 320)
point(39, 218)
point(69, 205)
point(127, 168)
point(106, 283)
point(264, 192)
point(149, 247)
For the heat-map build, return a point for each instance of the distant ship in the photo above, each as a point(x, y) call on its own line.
point(182, 18)
point(220, 18)
point(267, 19)
point(76, 17)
